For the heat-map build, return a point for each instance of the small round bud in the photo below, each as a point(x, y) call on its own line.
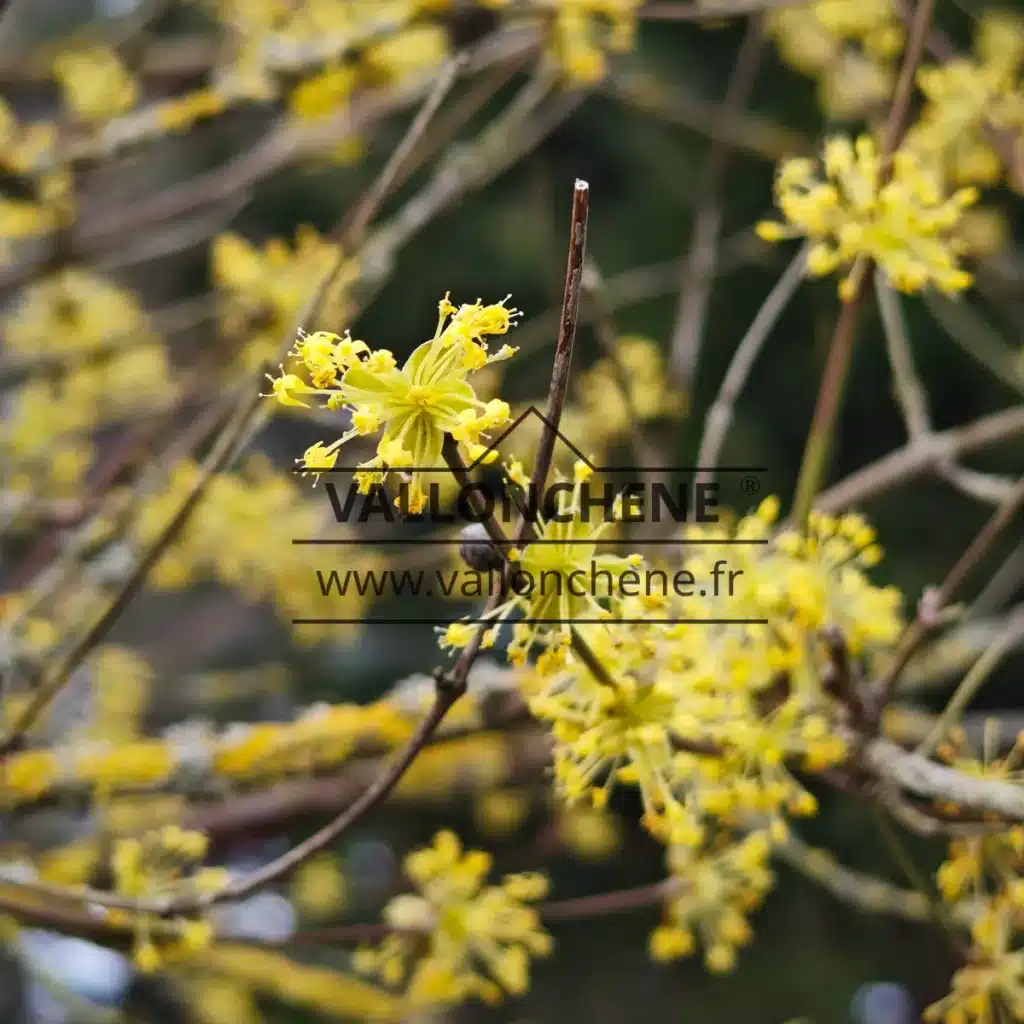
point(476, 549)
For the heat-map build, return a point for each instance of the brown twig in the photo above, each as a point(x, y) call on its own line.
point(837, 366)
point(711, 11)
point(913, 401)
point(695, 290)
point(449, 686)
point(915, 459)
point(354, 227)
point(924, 622)
point(716, 424)
point(459, 672)
point(619, 901)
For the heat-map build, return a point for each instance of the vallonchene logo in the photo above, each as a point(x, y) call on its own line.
point(560, 577)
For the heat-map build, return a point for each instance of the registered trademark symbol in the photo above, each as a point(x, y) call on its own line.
point(751, 485)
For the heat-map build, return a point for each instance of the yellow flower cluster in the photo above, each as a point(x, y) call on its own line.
point(714, 891)
point(96, 85)
point(328, 993)
point(414, 406)
point(320, 738)
point(74, 313)
point(582, 32)
point(987, 869)
point(405, 53)
point(46, 438)
point(23, 149)
point(849, 46)
point(165, 866)
point(113, 366)
point(479, 937)
point(903, 221)
point(968, 97)
point(281, 37)
point(631, 384)
point(242, 535)
point(319, 888)
point(262, 292)
point(122, 681)
point(712, 696)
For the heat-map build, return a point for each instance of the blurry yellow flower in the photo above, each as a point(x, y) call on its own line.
point(906, 224)
point(95, 83)
point(500, 812)
point(319, 888)
point(479, 937)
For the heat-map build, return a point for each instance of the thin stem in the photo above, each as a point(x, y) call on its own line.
point(915, 634)
point(971, 683)
point(914, 459)
point(917, 879)
point(910, 394)
point(354, 228)
point(826, 410)
point(712, 11)
point(977, 338)
point(559, 386)
point(913, 401)
point(703, 251)
point(716, 425)
point(444, 698)
point(459, 672)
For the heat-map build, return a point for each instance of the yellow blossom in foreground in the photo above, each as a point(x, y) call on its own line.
point(853, 214)
point(458, 938)
point(326, 992)
point(27, 776)
point(413, 406)
point(709, 701)
point(165, 865)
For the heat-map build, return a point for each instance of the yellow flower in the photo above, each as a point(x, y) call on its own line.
point(713, 892)
point(323, 94)
point(851, 215)
point(96, 85)
point(969, 97)
point(849, 46)
point(582, 31)
point(479, 937)
point(262, 291)
point(417, 404)
point(319, 888)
